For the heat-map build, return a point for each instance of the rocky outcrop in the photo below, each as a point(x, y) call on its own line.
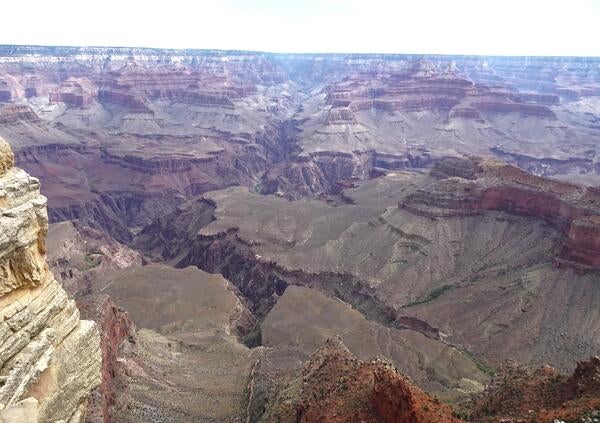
point(315, 174)
point(326, 172)
point(14, 114)
point(337, 387)
point(543, 395)
point(7, 158)
point(49, 358)
point(474, 186)
point(78, 92)
point(115, 327)
point(583, 242)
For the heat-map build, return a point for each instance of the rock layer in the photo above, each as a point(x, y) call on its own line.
point(474, 186)
point(49, 358)
point(177, 123)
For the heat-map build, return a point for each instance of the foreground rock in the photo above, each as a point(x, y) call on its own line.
point(49, 358)
point(115, 327)
point(334, 386)
point(543, 395)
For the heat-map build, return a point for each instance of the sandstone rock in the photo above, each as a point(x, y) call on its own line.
point(47, 354)
point(23, 411)
point(7, 158)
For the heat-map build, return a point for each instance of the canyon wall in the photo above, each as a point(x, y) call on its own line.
point(120, 136)
point(474, 186)
point(49, 359)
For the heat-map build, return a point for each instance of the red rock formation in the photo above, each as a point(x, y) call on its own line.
point(115, 327)
point(12, 114)
point(337, 387)
point(519, 395)
point(477, 186)
point(134, 102)
point(78, 92)
point(583, 242)
point(424, 88)
point(528, 202)
point(213, 87)
point(315, 173)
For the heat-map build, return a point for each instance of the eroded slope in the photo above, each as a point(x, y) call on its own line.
point(473, 261)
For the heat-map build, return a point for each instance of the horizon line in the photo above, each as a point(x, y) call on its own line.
point(306, 53)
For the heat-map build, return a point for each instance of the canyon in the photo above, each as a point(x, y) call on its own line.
point(268, 237)
point(121, 136)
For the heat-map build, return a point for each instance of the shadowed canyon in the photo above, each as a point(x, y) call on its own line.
point(232, 236)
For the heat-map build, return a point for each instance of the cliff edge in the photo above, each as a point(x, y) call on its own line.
point(49, 359)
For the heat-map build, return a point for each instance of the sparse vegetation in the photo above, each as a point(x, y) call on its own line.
point(430, 296)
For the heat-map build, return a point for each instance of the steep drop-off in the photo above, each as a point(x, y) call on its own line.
point(49, 359)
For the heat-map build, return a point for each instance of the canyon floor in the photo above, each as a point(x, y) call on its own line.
point(271, 237)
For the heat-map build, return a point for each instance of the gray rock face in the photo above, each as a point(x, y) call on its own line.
point(49, 359)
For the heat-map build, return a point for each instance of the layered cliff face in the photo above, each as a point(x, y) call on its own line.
point(446, 273)
point(119, 140)
point(176, 123)
point(489, 185)
point(409, 112)
point(50, 359)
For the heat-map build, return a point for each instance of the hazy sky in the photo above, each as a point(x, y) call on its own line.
point(504, 27)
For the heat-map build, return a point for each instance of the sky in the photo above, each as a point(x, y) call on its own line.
point(489, 27)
